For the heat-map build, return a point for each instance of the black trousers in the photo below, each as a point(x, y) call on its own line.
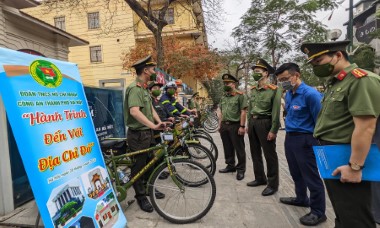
point(351, 202)
point(304, 171)
point(258, 130)
point(139, 140)
point(232, 142)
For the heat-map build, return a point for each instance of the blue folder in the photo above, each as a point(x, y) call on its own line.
point(330, 157)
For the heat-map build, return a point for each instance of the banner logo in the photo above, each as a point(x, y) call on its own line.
point(45, 73)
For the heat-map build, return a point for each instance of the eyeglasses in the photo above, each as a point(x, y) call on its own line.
point(284, 79)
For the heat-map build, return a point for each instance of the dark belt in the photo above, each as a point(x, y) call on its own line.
point(324, 142)
point(230, 122)
point(129, 129)
point(298, 133)
point(261, 117)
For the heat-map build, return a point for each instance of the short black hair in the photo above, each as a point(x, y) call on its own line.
point(139, 70)
point(290, 67)
point(344, 53)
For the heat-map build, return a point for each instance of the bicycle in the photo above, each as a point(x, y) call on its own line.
point(191, 185)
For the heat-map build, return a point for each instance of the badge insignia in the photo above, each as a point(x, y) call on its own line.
point(45, 73)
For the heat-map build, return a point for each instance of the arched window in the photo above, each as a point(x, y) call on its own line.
point(31, 52)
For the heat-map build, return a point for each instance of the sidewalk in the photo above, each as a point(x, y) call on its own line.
point(237, 205)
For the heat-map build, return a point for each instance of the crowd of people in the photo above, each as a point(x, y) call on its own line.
point(346, 113)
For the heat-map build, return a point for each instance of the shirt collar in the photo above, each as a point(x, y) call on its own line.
point(300, 89)
point(346, 70)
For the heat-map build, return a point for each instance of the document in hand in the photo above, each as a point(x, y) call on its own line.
point(330, 157)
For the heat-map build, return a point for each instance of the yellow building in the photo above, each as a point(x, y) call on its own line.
point(112, 32)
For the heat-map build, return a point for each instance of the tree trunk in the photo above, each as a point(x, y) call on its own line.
point(160, 48)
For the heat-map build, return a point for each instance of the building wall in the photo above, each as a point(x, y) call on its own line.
point(113, 42)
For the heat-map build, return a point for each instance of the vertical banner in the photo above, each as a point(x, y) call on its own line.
point(47, 109)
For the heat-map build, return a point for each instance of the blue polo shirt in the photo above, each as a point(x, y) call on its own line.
point(302, 109)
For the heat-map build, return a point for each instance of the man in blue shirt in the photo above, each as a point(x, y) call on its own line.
point(302, 104)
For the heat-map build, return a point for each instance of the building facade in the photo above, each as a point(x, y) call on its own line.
point(112, 31)
point(366, 22)
point(22, 32)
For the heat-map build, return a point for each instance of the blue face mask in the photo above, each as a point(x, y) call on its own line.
point(286, 85)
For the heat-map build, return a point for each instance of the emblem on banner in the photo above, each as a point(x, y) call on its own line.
point(45, 73)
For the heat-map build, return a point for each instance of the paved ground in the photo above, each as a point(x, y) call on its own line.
point(237, 205)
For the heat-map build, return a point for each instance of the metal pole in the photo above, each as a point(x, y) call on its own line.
point(350, 26)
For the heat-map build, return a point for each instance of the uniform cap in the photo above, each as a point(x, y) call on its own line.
point(314, 50)
point(145, 62)
point(263, 64)
point(154, 83)
point(195, 94)
point(229, 78)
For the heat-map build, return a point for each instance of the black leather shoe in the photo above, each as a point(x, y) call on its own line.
point(164, 175)
point(293, 201)
point(268, 191)
point(312, 219)
point(158, 194)
point(240, 175)
point(144, 204)
point(227, 170)
point(256, 183)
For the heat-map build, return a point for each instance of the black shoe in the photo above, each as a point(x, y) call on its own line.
point(157, 194)
point(227, 170)
point(256, 183)
point(268, 191)
point(144, 204)
point(312, 219)
point(293, 201)
point(240, 175)
point(164, 175)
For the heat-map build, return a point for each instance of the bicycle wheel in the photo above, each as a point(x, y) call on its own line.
point(209, 144)
point(200, 131)
point(184, 205)
point(200, 154)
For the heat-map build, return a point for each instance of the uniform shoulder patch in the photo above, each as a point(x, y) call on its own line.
point(272, 87)
point(359, 73)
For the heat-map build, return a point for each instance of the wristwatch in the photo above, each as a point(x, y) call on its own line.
point(242, 126)
point(355, 166)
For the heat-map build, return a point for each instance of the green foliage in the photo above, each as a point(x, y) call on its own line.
point(214, 88)
point(364, 57)
point(68, 206)
point(275, 27)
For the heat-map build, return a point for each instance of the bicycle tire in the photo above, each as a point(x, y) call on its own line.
point(164, 207)
point(200, 154)
point(212, 147)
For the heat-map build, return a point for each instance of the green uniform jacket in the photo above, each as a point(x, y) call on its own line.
point(137, 95)
point(346, 96)
point(266, 101)
point(231, 106)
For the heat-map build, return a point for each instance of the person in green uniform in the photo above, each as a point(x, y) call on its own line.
point(141, 118)
point(263, 124)
point(349, 112)
point(232, 117)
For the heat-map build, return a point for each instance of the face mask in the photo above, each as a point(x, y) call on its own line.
point(323, 70)
point(156, 92)
point(171, 92)
point(286, 85)
point(257, 76)
point(227, 88)
point(153, 77)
